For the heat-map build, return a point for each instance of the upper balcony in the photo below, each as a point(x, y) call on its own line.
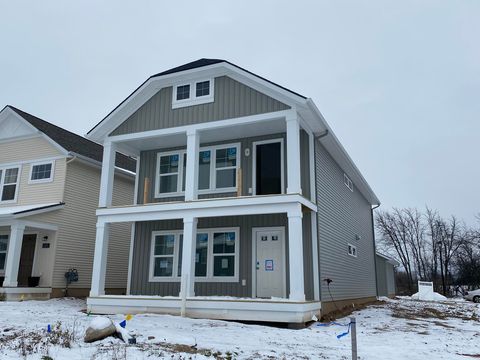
point(267, 154)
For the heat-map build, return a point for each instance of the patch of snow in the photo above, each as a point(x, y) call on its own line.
point(434, 296)
point(395, 329)
point(100, 323)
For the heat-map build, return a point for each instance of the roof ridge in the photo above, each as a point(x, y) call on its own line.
point(20, 112)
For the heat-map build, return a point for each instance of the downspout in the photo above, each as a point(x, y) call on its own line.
point(374, 249)
point(325, 133)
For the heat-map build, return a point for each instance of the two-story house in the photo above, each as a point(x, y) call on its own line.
point(245, 201)
point(49, 188)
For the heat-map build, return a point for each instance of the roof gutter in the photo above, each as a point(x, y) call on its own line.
point(98, 164)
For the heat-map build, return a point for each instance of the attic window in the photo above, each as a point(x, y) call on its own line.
point(192, 93)
point(183, 92)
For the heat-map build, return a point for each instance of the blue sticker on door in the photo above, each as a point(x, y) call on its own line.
point(269, 265)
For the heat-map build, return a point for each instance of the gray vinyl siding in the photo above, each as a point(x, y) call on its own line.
point(148, 165)
point(381, 268)
point(342, 214)
point(231, 99)
point(140, 284)
point(385, 277)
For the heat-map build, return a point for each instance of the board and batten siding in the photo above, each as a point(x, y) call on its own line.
point(140, 284)
point(343, 214)
point(148, 167)
point(28, 151)
point(231, 99)
point(75, 241)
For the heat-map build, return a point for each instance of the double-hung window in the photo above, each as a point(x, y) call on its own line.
point(217, 170)
point(3, 251)
point(226, 167)
point(41, 172)
point(224, 253)
point(170, 176)
point(164, 255)
point(9, 178)
point(216, 255)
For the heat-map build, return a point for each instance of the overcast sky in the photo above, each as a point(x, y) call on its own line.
point(398, 81)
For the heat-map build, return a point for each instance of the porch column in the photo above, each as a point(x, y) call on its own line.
point(108, 170)
point(293, 155)
point(13, 255)
point(295, 251)
point(191, 178)
point(188, 257)
point(100, 260)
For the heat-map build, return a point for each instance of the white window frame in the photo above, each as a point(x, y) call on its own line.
point(352, 250)
point(179, 191)
point(174, 277)
point(2, 270)
point(213, 171)
point(193, 99)
point(210, 256)
point(348, 183)
point(40, 181)
point(2, 182)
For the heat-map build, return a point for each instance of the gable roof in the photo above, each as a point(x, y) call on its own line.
point(304, 107)
point(191, 66)
point(206, 62)
point(72, 142)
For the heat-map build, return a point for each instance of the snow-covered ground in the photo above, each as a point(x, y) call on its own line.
point(394, 329)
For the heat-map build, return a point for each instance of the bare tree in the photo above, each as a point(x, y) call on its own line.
point(394, 233)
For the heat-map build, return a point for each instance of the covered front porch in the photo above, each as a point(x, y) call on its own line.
point(26, 253)
point(261, 271)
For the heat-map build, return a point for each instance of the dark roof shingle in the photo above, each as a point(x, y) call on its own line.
point(73, 142)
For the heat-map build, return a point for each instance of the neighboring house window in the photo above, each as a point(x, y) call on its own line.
point(42, 172)
point(192, 93)
point(222, 177)
point(3, 251)
point(352, 250)
point(9, 177)
point(216, 255)
point(348, 183)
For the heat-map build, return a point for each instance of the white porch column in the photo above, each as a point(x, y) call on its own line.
point(13, 255)
point(295, 251)
point(108, 170)
point(188, 257)
point(100, 260)
point(293, 155)
point(191, 178)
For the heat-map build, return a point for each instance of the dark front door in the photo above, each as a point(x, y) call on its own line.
point(26, 259)
point(268, 170)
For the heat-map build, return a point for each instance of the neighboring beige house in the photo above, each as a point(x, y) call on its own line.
point(49, 188)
